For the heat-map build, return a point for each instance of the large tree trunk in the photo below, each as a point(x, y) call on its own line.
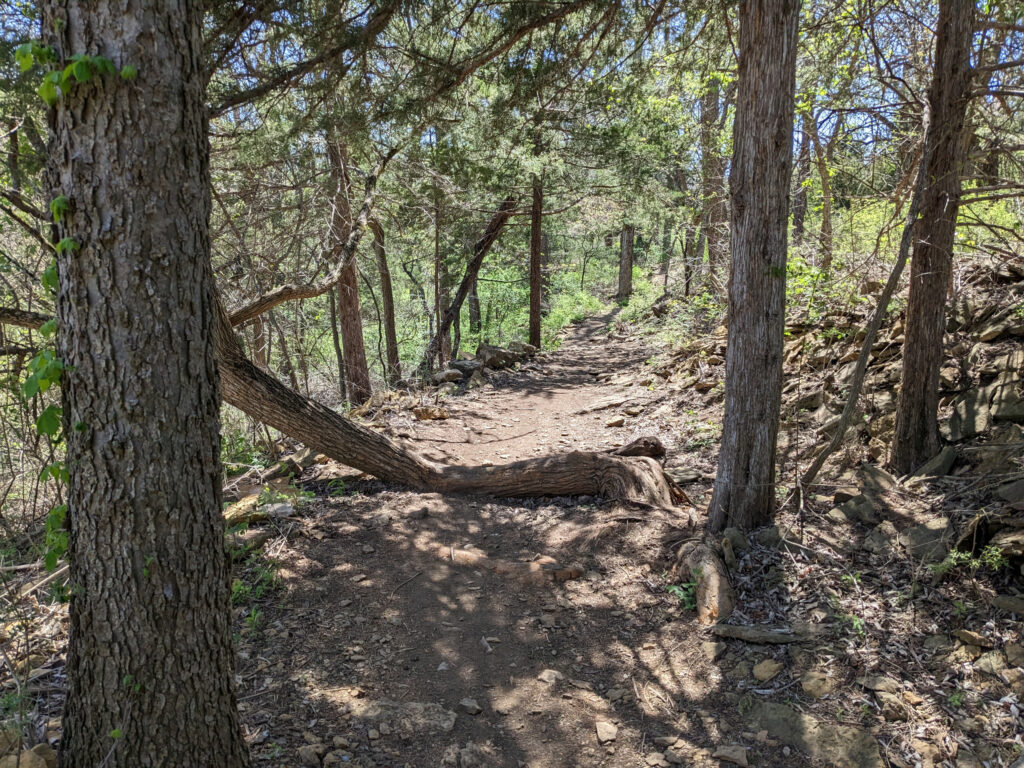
point(393, 368)
point(917, 429)
point(149, 667)
point(744, 493)
point(536, 247)
point(626, 237)
point(357, 372)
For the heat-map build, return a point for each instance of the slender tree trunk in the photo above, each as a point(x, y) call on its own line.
point(536, 246)
point(286, 357)
point(339, 356)
point(917, 431)
point(150, 660)
point(357, 372)
point(393, 368)
point(803, 173)
point(480, 250)
point(473, 302)
point(713, 225)
point(744, 493)
point(260, 347)
point(626, 237)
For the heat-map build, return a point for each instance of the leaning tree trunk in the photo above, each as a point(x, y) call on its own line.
point(744, 494)
point(536, 247)
point(626, 263)
point(480, 250)
point(917, 430)
point(149, 667)
point(393, 368)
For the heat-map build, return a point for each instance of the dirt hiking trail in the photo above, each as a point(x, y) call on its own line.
point(378, 652)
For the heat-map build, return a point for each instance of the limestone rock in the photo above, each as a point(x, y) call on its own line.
point(817, 684)
point(46, 752)
point(27, 760)
point(734, 754)
point(606, 732)
point(469, 706)
point(882, 539)
point(841, 746)
point(550, 676)
point(466, 367)
point(1009, 603)
point(448, 374)
point(309, 754)
point(767, 669)
point(929, 541)
point(939, 465)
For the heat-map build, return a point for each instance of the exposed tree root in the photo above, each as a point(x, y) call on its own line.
point(698, 561)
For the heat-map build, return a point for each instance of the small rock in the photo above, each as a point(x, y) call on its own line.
point(665, 741)
point(551, 676)
point(882, 539)
point(373, 734)
point(1009, 603)
point(816, 683)
point(448, 374)
point(879, 683)
point(309, 754)
point(674, 758)
point(767, 669)
point(656, 760)
point(46, 752)
point(618, 421)
point(1015, 654)
point(893, 708)
point(967, 637)
point(736, 755)
point(991, 663)
point(927, 542)
point(712, 650)
point(606, 732)
point(469, 706)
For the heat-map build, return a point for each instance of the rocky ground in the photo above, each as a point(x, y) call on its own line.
point(878, 623)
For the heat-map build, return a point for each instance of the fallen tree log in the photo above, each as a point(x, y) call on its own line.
point(252, 390)
point(636, 478)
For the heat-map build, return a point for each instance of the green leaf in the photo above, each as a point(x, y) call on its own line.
point(48, 93)
point(58, 207)
point(50, 279)
point(67, 244)
point(23, 55)
point(50, 561)
point(82, 71)
point(116, 733)
point(128, 72)
point(48, 422)
point(48, 328)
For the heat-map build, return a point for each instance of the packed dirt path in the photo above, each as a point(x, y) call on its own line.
point(377, 650)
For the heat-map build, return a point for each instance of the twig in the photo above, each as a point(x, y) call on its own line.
point(418, 573)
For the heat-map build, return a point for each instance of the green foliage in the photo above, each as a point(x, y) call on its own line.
point(990, 558)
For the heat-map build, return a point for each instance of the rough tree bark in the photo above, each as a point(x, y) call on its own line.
point(917, 430)
point(393, 372)
point(473, 302)
point(626, 237)
point(536, 247)
point(744, 493)
point(150, 652)
point(350, 319)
